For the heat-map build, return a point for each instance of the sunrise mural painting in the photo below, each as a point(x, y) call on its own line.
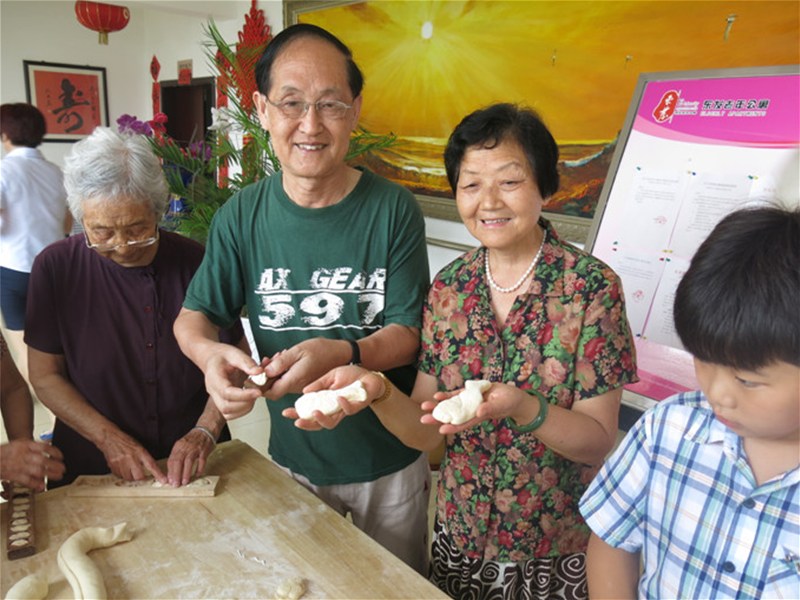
point(427, 64)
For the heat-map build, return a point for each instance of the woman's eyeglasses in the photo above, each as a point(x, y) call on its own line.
point(109, 247)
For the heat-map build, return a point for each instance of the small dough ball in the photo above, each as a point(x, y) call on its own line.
point(260, 379)
point(291, 589)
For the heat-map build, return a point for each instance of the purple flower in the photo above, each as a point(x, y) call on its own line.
point(130, 124)
point(200, 150)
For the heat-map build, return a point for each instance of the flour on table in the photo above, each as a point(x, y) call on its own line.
point(463, 406)
point(325, 401)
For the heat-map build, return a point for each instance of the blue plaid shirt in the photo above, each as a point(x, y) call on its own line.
point(679, 489)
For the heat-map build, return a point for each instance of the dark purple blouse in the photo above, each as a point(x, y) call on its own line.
point(113, 325)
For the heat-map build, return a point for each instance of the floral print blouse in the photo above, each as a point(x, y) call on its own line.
point(503, 495)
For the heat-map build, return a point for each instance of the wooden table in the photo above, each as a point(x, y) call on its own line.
point(259, 530)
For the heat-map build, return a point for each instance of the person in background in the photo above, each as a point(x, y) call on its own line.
point(22, 460)
point(545, 324)
point(701, 498)
point(99, 321)
point(33, 214)
point(331, 263)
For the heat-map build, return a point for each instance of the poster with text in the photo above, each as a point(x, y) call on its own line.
point(696, 146)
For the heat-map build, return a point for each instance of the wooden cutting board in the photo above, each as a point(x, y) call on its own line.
point(110, 485)
point(260, 529)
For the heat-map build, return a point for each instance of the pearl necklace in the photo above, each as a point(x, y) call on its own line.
point(522, 279)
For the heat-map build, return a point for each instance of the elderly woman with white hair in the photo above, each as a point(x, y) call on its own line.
point(99, 321)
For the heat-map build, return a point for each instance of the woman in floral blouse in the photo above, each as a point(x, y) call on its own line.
point(545, 323)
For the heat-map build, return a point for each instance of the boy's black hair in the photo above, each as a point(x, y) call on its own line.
point(23, 123)
point(738, 304)
point(263, 71)
point(490, 126)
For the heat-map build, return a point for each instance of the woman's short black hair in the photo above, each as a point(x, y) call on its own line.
point(23, 123)
point(490, 126)
point(263, 72)
point(737, 304)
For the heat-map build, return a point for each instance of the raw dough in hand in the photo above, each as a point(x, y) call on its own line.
point(325, 400)
point(80, 571)
point(30, 587)
point(462, 407)
point(260, 379)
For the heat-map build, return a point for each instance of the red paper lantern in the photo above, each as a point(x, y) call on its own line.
point(103, 18)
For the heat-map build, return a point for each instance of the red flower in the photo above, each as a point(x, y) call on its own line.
point(538, 449)
point(466, 473)
point(593, 347)
point(504, 436)
point(505, 539)
point(470, 303)
point(627, 360)
point(545, 334)
point(543, 548)
point(476, 366)
point(523, 497)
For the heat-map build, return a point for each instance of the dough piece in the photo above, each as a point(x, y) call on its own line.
point(30, 587)
point(260, 379)
point(462, 407)
point(291, 589)
point(80, 571)
point(325, 400)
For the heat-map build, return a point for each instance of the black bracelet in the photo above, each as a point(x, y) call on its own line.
point(355, 358)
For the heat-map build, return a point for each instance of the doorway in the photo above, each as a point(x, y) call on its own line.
point(188, 109)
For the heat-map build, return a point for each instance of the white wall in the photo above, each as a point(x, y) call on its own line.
point(47, 30)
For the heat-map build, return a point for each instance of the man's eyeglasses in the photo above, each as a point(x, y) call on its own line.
point(108, 247)
point(326, 109)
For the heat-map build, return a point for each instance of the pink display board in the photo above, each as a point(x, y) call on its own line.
point(695, 146)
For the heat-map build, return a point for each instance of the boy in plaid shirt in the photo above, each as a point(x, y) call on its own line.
point(703, 491)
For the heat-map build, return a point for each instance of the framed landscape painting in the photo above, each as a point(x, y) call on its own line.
point(427, 64)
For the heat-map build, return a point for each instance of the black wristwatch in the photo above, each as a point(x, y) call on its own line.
point(355, 358)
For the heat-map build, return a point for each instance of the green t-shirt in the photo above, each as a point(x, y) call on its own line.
point(340, 272)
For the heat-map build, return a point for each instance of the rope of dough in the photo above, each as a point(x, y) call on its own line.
point(30, 587)
point(325, 401)
point(82, 574)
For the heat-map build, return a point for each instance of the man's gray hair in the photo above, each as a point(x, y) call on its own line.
point(108, 167)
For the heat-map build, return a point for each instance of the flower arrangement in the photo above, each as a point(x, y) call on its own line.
point(236, 150)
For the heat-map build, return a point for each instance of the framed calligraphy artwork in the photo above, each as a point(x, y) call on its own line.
point(72, 98)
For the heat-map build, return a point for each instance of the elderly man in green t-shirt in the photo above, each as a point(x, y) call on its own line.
point(331, 263)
